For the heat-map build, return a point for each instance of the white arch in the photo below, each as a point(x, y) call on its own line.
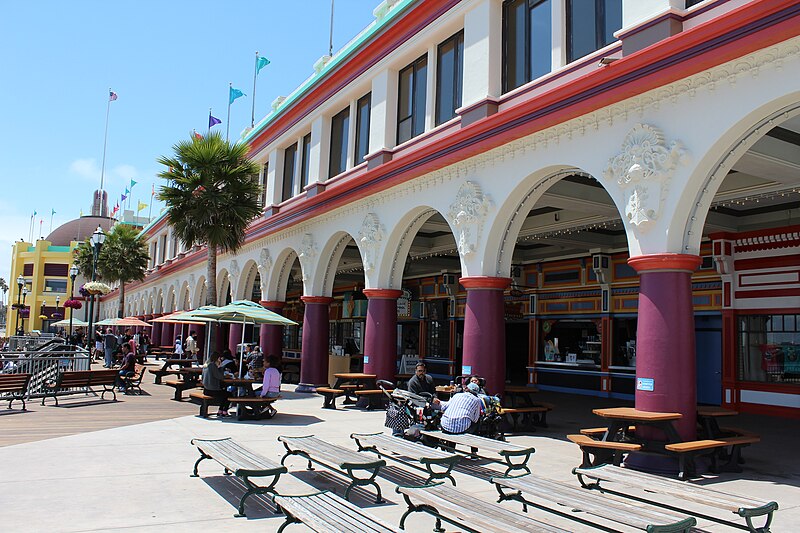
point(279, 275)
point(244, 289)
point(329, 259)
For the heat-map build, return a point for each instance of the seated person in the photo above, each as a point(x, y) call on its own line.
point(462, 412)
point(127, 368)
point(212, 383)
point(474, 378)
point(421, 381)
point(228, 363)
point(272, 378)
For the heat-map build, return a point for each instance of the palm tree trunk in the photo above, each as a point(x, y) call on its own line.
point(121, 310)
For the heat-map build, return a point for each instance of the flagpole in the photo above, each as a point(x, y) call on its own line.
point(41, 221)
point(255, 75)
point(51, 220)
point(208, 131)
point(330, 45)
point(150, 211)
point(30, 231)
point(228, 123)
point(105, 143)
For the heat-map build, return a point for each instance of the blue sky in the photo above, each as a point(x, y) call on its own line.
point(168, 61)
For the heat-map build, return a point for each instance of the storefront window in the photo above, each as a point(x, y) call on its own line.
point(570, 341)
point(769, 348)
point(623, 351)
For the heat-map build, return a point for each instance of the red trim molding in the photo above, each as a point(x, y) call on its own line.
point(485, 282)
point(273, 304)
point(667, 261)
point(325, 300)
point(382, 294)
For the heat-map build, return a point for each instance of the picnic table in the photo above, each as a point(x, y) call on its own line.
point(519, 396)
point(167, 368)
point(352, 385)
point(707, 418)
point(620, 419)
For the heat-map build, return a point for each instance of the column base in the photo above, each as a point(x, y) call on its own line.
point(308, 387)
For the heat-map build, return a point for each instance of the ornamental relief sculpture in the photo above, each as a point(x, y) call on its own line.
point(467, 215)
point(643, 170)
point(264, 266)
point(306, 255)
point(369, 240)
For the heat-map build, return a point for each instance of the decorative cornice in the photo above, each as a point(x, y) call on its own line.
point(485, 282)
point(665, 262)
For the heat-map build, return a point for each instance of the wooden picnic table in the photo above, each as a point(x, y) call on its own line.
point(707, 417)
point(620, 419)
point(519, 396)
point(361, 380)
point(444, 392)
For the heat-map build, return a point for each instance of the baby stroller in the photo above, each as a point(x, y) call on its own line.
point(407, 409)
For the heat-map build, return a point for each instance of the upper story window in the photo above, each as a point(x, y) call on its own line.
point(362, 127)
point(306, 161)
point(264, 178)
point(591, 25)
point(449, 68)
point(527, 41)
point(340, 129)
point(289, 160)
point(411, 100)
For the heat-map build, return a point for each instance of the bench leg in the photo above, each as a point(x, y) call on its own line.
point(289, 520)
point(178, 396)
point(421, 509)
point(254, 489)
point(202, 456)
point(362, 482)
point(329, 402)
point(204, 408)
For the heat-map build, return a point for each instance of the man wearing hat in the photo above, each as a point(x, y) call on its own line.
point(462, 412)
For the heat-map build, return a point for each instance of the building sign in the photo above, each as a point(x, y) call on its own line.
point(645, 384)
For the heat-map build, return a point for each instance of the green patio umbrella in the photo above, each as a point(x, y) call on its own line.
point(185, 317)
point(244, 312)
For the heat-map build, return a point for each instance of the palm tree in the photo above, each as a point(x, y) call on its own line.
point(4, 288)
point(123, 258)
point(212, 195)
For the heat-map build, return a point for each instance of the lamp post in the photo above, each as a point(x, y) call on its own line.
point(98, 238)
point(24, 295)
point(73, 273)
point(20, 283)
point(41, 314)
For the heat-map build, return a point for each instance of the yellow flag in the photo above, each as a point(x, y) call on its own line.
point(81, 212)
point(141, 206)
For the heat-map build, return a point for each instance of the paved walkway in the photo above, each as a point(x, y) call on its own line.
point(136, 477)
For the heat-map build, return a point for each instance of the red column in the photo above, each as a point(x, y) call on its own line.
point(168, 334)
point(235, 338)
point(380, 338)
point(485, 330)
point(271, 337)
point(314, 358)
point(221, 340)
point(155, 336)
point(665, 341)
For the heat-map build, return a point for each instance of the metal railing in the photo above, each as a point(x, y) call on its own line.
point(29, 342)
point(43, 365)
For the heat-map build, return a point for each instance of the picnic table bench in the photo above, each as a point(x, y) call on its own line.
point(533, 490)
point(604, 451)
point(241, 462)
point(167, 369)
point(179, 385)
point(468, 512)
point(621, 479)
point(531, 414)
point(330, 395)
point(336, 458)
point(13, 387)
point(255, 407)
point(493, 450)
point(394, 447)
point(325, 512)
point(83, 380)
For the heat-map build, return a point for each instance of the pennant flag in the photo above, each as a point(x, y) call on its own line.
point(81, 212)
point(123, 197)
point(197, 135)
point(112, 96)
point(262, 62)
point(141, 206)
point(213, 121)
point(127, 191)
point(133, 183)
point(153, 188)
point(53, 212)
point(234, 94)
point(34, 214)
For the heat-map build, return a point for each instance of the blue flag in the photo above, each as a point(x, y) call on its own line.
point(261, 63)
point(234, 94)
point(213, 121)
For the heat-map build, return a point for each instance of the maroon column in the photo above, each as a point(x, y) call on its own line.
point(168, 334)
point(155, 336)
point(314, 357)
point(380, 338)
point(665, 340)
point(234, 337)
point(271, 337)
point(221, 340)
point(485, 331)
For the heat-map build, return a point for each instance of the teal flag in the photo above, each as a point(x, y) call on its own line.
point(127, 191)
point(53, 212)
point(262, 62)
point(234, 94)
point(133, 183)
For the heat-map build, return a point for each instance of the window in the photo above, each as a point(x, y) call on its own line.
point(340, 127)
point(591, 25)
point(264, 178)
point(449, 67)
point(769, 348)
point(411, 100)
point(304, 168)
point(289, 157)
point(55, 285)
point(527, 41)
point(362, 127)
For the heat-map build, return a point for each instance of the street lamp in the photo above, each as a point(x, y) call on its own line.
point(73, 273)
point(20, 283)
point(97, 239)
point(24, 295)
point(41, 313)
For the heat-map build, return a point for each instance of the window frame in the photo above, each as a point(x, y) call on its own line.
point(356, 159)
point(305, 161)
point(288, 194)
point(530, 5)
point(599, 27)
point(458, 78)
point(342, 150)
point(417, 114)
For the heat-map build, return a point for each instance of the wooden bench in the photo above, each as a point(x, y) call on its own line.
point(598, 433)
point(649, 485)
point(533, 415)
point(688, 451)
point(205, 401)
point(81, 379)
point(241, 462)
point(330, 396)
point(395, 447)
point(133, 384)
point(254, 407)
point(565, 500)
point(13, 387)
point(603, 451)
point(467, 511)
point(376, 398)
point(336, 458)
point(180, 385)
point(493, 450)
point(324, 512)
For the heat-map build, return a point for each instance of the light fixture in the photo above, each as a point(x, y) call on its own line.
point(98, 237)
point(605, 61)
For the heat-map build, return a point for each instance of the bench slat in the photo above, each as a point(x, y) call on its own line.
point(399, 446)
point(325, 512)
point(327, 452)
point(708, 444)
point(482, 443)
point(236, 457)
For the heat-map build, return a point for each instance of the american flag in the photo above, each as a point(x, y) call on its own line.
point(112, 96)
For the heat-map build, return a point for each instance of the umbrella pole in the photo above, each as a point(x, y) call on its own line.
point(241, 347)
point(208, 343)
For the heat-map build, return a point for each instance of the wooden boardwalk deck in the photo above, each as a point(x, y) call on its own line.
point(84, 413)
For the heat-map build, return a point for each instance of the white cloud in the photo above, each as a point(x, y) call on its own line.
point(116, 177)
point(86, 169)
